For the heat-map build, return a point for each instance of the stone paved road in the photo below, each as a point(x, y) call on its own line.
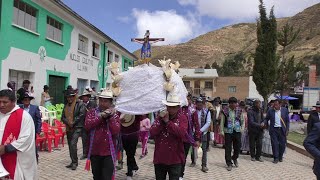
point(294, 167)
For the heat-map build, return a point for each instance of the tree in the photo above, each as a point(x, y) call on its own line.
point(316, 61)
point(286, 37)
point(290, 73)
point(215, 65)
point(265, 58)
point(207, 66)
point(234, 66)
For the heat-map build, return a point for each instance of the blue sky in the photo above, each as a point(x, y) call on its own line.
point(176, 20)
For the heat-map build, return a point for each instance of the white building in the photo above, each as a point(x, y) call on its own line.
point(49, 44)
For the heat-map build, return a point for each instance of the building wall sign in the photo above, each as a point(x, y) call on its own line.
point(83, 63)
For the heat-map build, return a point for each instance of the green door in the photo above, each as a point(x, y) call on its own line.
point(57, 86)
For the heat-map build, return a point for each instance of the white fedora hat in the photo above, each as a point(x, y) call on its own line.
point(172, 100)
point(85, 93)
point(106, 94)
point(127, 119)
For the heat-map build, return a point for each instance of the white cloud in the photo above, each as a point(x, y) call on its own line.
point(124, 19)
point(239, 10)
point(173, 27)
point(187, 2)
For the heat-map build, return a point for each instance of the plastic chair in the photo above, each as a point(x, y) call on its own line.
point(62, 130)
point(44, 114)
point(52, 113)
point(59, 109)
point(49, 137)
point(40, 140)
point(57, 137)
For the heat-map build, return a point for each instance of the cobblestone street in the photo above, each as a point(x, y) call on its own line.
point(294, 167)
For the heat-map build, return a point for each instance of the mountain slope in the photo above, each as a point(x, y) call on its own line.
point(219, 44)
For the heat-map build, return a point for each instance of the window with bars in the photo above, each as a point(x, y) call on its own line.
point(54, 29)
point(208, 85)
point(110, 56)
point(25, 15)
point(83, 44)
point(232, 89)
point(116, 58)
point(95, 49)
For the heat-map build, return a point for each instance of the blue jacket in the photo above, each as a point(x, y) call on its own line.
point(285, 117)
point(34, 111)
point(312, 145)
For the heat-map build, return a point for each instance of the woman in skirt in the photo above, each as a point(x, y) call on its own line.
point(245, 136)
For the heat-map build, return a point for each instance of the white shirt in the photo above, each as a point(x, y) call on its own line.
point(26, 168)
point(277, 116)
point(218, 108)
point(206, 126)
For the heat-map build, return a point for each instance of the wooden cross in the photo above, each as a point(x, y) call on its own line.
point(146, 46)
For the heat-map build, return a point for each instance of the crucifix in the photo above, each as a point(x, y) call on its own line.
point(146, 46)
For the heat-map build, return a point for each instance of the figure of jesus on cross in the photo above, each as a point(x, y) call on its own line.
point(146, 45)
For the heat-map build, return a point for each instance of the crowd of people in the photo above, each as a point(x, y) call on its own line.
point(106, 133)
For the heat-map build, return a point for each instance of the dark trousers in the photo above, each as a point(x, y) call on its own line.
point(84, 137)
point(208, 140)
point(204, 152)
point(278, 142)
point(130, 146)
point(255, 142)
point(72, 137)
point(234, 140)
point(102, 167)
point(186, 151)
point(162, 170)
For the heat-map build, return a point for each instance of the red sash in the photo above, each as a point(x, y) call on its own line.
point(10, 134)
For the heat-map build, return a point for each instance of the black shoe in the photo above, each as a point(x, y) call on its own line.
point(74, 167)
point(259, 159)
point(275, 161)
point(253, 159)
point(229, 168)
point(192, 164)
point(235, 162)
point(204, 169)
point(69, 166)
point(83, 157)
point(280, 160)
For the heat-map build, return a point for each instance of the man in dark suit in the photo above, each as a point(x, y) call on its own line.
point(34, 111)
point(312, 145)
point(85, 97)
point(314, 117)
point(255, 130)
point(278, 130)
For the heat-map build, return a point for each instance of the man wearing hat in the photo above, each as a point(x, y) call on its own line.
point(88, 105)
point(231, 126)
point(311, 143)
point(69, 88)
point(130, 128)
point(73, 116)
point(204, 118)
point(22, 91)
point(169, 131)
point(103, 125)
point(34, 111)
point(314, 117)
